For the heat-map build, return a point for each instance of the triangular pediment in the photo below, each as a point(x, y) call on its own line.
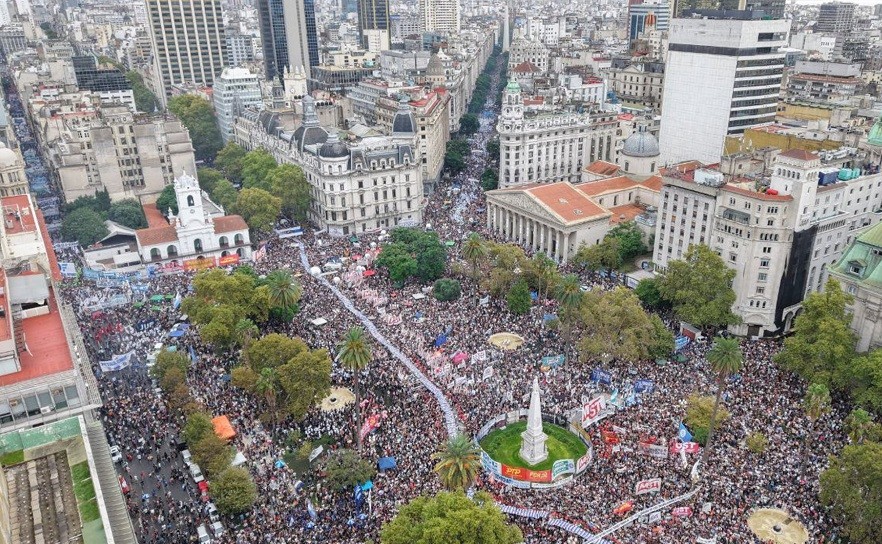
point(525, 202)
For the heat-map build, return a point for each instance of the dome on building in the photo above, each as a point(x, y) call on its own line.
point(435, 67)
point(641, 144)
point(513, 87)
point(7, 156)
point(404, 122)
point(310, 132)
point(334, 148)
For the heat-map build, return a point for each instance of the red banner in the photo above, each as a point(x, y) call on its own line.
point(688, 447)
point(199, 264)
point(682, 512)
point(652, 485)
point(610, 437)
point(525, 474)
point(228, 260)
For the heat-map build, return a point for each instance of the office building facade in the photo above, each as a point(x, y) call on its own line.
point(373, 24)
point(722, 76)
point(188, 41)
point(440, 16)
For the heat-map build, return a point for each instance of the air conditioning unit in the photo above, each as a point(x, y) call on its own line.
point(45, 409)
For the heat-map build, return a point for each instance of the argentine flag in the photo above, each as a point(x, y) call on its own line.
point(683, 434)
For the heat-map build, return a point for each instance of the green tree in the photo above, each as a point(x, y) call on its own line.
point(614, 324)
point(208, 178)
point(84, 226)
point(489, 179)
point(272, 351)
point(284, 291)
point(648, 293)
point(541, 273)
point(605, 255)
point(289, 184)
point(698, 416)
point(469, 124)
point(197, 427)
point(569, 292)
point(197, 115)
point(662, 344)
point(493, 149)
point(229, 161)
point(398, 261)
point(258, 208)
point(862, 378)
point(699, 288)
point(256, 169)
point(725, 359)
point(354, 354)
point(816, 403)
point(246, 331)
point(459, 461)
point(266, 386)
point(128, 213)
point(506, 262)
point(212, 454)
point(852, 489)
point(167, 199)
point(446, 289)
point(822, 343)
point(757, 442)
point(167, 360)
point(145, 100)
point(454, 161)
point(305, 381)
point(430, 254)
point(225, 195)
point(233, 491)
point(860, 425)
point(450, 518)
point(346, 469)
point(518, 298)
point(630, 240)
point(474, 249)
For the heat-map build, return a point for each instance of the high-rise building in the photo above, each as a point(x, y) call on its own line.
point(373, 24)
point(772, 9)
point(188, 42)
point(301, 35)
point(642, 17)
point(440, 16)
point(273, 37)
point(235, 90)
point(835, 17)
point(722, 76)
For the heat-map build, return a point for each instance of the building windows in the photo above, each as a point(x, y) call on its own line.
point(762, 276)
point(760, 290)
point(767, 249)
point(764, 262)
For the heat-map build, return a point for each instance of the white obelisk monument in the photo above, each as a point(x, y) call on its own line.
point(533, 448)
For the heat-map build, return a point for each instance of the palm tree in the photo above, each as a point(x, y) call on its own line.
point(354, 353)
point(245, 331)
point(473, 250)
point(284, 291)
point(816, 403)
point(858, 424)
point(725, 358)
point(569, 292)
point(458, 463)
point(545, 272)
point(266, 386)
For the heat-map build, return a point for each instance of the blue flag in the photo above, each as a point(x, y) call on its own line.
point(311, 509)
point(359, 495)
point(192, 354)
point(683, 434)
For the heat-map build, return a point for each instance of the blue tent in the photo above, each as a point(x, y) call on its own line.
point(441, 340)
point(367, 486)
point(386, 463)
point(177, 333)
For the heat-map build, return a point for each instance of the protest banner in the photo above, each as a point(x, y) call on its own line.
point(652, 485)
point(685, 447)
point(562, 466)
point(525, 474)
point(593, 411)
point(682, 512)
point(652, 450)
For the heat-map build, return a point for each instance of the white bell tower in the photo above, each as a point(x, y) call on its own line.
point(191, 212)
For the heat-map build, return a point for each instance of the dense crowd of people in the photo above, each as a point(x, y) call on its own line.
point(165, 502)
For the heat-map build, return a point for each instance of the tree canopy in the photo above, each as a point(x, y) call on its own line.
point(229, 161)
point(256, 168)
point(852, 488)
point(167, 200)
point(128, 213)
point(699, 288)
point(220, 300)
point(613, 323)
point(288, 182)
point(446, 289)
point(197, 114)
point(233, 491)
point(258, 208)
point(469, 124)
point(208, 178)
point(413, 252)
point(83, 225)
point(450, 518)
point(145, 100)
point(345, 469)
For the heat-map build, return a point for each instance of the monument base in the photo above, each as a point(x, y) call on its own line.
point(533, 448)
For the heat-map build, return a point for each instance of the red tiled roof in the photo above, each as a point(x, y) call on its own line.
point(653, 183)
point(26, 221)
point(620, 214)
point(229, 223)
point(603, 168)
point(154, 216)
point(595, 188)
point(799, 154)
point(525, 67)
point(567, 202)
point(47, 343)
point(156, 235)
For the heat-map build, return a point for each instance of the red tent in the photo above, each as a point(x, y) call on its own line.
point(223, 428)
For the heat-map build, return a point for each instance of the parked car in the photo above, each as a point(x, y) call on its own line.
point(217, 528)
point(187, 457)
point(212, 512)
point(196, 472)
point(115, 454)
point(124, 485)
point(202, 533)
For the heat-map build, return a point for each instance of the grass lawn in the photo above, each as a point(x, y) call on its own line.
point(12, 458)
point(85, 492)
point(504, 445)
